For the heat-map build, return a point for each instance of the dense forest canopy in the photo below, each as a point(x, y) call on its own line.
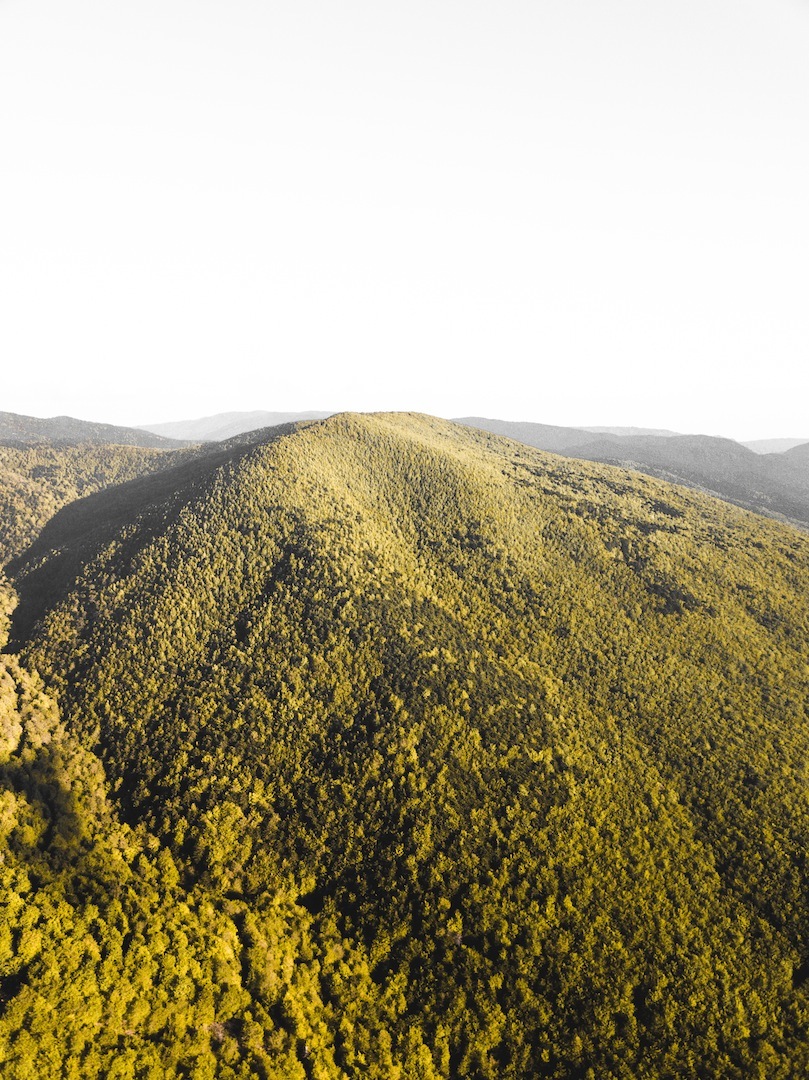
point(387, 747)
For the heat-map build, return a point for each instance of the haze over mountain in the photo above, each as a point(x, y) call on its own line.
point(629, 431)
point(389, 747)
point(556, 439)
point(775, 484)
point(19, 430)
point(225, 425)
point(774, 446)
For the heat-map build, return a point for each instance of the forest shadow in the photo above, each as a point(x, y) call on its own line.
point(36, 778)
point(49, 568)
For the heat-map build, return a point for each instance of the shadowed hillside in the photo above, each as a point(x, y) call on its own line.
point(37, 481)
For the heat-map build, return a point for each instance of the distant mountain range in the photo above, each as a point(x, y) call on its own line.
point(767, 476)
point(773, 446)
point(629, 431)
point(776, 483)
point(225, 425)
point(19, 430)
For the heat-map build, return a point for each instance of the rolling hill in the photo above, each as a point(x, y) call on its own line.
point(225, 426)
point(774, 446)
point(475, 760)
point(772, 483)
point(19, 430)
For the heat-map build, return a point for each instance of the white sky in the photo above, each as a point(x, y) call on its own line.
point(566, 211)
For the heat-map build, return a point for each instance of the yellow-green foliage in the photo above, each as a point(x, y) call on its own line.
point(37, 481)
point(480, 762)
point(109, 965)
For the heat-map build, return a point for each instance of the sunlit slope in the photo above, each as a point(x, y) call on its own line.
point(528, 734)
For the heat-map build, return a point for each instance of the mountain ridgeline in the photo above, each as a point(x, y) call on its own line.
point(17, 429)
point(224, 426)
point(408, 751)
point(768, 483)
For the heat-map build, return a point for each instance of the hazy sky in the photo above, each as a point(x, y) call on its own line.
point(567, 211)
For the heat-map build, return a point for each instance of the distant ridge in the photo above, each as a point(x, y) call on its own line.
point(773, 446)
point(776, 483)
point(797, 454)
point(17, 429)
point(558, 440)
point(222, 426)
point(542, 435)
point(631, 431)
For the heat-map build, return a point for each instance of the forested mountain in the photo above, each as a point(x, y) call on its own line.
point(798, 455)
point(18, 430)
point(224, 426)
point(391, 748)
point(767, 483)
point(99, 940)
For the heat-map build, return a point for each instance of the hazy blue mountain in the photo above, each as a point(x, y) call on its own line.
point(768, 483)
point(19, 430)
point(225, 425)
point(702, 456)
point(550, 436)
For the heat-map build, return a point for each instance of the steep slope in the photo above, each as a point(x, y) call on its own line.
point(525, 738)
point(19, 430)
point(224, 426)
point(109, 965)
